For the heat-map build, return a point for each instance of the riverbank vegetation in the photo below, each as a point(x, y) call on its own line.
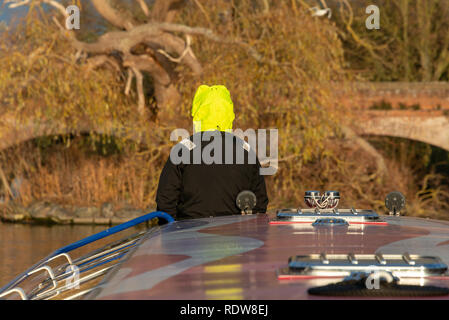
point(105, 116)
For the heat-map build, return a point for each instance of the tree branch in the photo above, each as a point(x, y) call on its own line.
point(111, 15)
point(15, 3)
point(362, 143)
point(200, 6)
point(96, 61)
point(442, 63)
point(355, 36)
point(148, 64)
point(140, 93)
point(129, 81)
point(183, 49)
point(209, 34)
point(160, 38)
point(165, 10)
point(144, 7)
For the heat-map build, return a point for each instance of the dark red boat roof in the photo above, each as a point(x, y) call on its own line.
point(237, 257)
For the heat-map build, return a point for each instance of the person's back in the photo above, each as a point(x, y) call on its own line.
point(206, 172)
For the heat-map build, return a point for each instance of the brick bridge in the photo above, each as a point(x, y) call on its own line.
point(14, 131)
point(416, 111)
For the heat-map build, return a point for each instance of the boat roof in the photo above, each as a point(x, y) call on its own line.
point(240, 257)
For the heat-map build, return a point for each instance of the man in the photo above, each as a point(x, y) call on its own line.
point(206, 184)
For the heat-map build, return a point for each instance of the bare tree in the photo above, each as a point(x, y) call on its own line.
point(155, 47)
point(411, 45)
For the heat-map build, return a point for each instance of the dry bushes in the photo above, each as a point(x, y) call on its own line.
point(293, 89)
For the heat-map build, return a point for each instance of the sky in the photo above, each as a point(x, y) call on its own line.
point(7, 14)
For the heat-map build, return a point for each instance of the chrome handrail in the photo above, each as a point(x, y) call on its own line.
point(52, 277)
point(63, 251)
point(69, 260)
point(20, 291)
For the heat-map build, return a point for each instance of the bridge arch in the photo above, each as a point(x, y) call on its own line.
point(431, 130)
point(14, 132)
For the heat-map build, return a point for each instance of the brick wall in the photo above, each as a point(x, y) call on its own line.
point(429, 96)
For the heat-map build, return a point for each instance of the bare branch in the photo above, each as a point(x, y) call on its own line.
point(171, 27)
point(96, 61)
point(15, 3)
point(165, 10)
point(323, 2)
point(80, 55)
point(140, 93)
point(186, 50)
point(362, 143)
point(58, 24)
point(5, 182)
point(54, 4)
point(200, 6)
point(124, 41)
point(110, 14)
point(442, 62)
point(266, 6)
point(57, 6)
point(160, 39)
point(148, 64)
point(144, 7)
point(129, 81)
point(356, 37)
point(170, 42)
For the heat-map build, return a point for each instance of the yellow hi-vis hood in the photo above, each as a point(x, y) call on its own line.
point(212, 109)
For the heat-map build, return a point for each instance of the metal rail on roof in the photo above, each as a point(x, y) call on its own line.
point(285, 216)
point(18, 290)
point(336, 265)
point(104, 256)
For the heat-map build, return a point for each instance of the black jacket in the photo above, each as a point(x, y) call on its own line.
point(197, 188)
